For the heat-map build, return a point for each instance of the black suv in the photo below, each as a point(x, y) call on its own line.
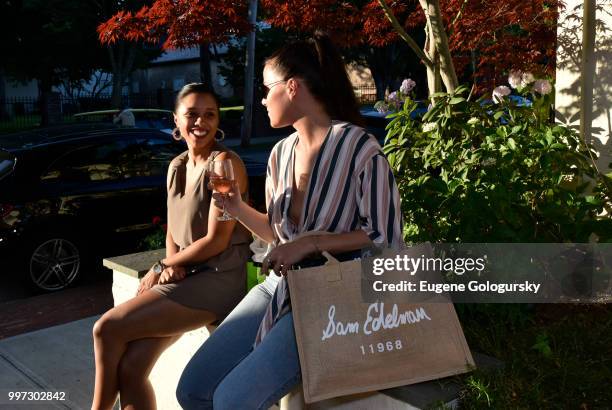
point(74, 194)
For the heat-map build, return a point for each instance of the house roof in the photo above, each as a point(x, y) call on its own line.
point(192, 53)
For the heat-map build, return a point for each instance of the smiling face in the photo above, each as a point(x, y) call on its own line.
point(197, 118)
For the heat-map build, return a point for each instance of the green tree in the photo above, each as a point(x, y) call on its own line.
point(49, 41)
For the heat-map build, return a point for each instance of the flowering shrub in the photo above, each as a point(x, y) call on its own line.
point(473, 171)
point(157, 238)
point(395, 99)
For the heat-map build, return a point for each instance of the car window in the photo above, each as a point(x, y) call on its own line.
point(91, 163)
point(149, 157)
point(115, 160)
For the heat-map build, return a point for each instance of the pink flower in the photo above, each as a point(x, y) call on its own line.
point(542, 86)
point(499, 93)
point(514, 78)
point(407, 86)
point(393, 97)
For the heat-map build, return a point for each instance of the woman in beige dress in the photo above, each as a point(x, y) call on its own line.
point(130, 337)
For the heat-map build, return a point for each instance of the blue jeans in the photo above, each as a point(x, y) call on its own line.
point(226, 373)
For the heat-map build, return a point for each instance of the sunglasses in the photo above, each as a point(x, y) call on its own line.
point(268, 87)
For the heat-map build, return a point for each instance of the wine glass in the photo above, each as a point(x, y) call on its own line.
point(220, 179)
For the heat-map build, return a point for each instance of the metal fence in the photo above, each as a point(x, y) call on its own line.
point(18, 113)
point(365, 94)
point(25, 112)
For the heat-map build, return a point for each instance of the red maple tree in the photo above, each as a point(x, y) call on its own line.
point(180, 23)
point(494, 36)
point(488, 37)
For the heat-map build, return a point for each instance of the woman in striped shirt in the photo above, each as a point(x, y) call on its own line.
point(329, 176)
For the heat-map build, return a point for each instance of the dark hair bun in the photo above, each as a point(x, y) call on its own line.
point(319, 64)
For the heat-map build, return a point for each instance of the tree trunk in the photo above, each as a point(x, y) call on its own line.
point(437, 35)
point(44, 93)
point(378, 62)
point(205, 71)
point(249, 74)
point(3, 102)
point(434, 82)
point(122, 57)
point(117, 90)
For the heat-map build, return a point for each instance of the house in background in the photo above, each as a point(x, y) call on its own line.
point(175, 68)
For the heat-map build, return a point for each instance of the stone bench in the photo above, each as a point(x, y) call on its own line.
point(127, 271)
point(413, 397)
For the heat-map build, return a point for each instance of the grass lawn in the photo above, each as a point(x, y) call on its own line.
point(19, 123)
point(555, 356)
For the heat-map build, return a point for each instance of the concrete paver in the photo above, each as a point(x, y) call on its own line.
point(59, 358)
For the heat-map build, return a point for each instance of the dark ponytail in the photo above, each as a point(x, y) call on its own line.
point(319, 64)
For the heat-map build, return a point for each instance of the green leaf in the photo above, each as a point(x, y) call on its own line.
point(549, 137)
point(542, 345)
point(456, 100)
point(498, 115)
point(512, 144)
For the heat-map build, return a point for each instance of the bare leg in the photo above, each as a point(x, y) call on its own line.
point(149, 315)
point(136, 363)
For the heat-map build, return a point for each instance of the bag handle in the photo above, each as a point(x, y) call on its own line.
point(334, 272)
point(333, 275)
point(330, 259)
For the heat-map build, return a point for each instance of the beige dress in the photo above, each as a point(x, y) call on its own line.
point(222, 284)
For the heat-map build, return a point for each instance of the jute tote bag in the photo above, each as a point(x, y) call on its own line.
point(347, 346)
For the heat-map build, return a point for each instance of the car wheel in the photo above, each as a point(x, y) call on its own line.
point(54, 264)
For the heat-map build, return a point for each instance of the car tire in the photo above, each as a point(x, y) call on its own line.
point(53, 263)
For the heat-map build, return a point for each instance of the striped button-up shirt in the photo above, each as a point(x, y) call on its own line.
point(351, 187)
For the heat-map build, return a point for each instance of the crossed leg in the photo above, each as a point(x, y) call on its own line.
point(129, 338)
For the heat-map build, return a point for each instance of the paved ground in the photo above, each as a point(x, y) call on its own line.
point(20, 313)
point(58, 358)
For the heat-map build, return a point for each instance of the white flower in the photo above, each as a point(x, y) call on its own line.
point(393, 97)
point(429, 126)
point(542, 86)
point(407, 86)
point(500, 92)
point(527, 79)
point(473, 120)
point(514, 78)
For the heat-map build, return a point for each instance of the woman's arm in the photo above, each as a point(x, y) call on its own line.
point(255, 221)
point(219, 233)
point(171, 246)
point(282, 257)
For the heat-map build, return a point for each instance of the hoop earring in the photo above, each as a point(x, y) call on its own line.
point(219, 130)
point(176, 134)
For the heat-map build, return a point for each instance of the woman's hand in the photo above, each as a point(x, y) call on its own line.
point(232, 200)
point(283, 256)
point(172, 274)
point(148, 281)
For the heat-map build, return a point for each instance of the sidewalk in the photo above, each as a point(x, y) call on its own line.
point(59, 358)
point(42, 311)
